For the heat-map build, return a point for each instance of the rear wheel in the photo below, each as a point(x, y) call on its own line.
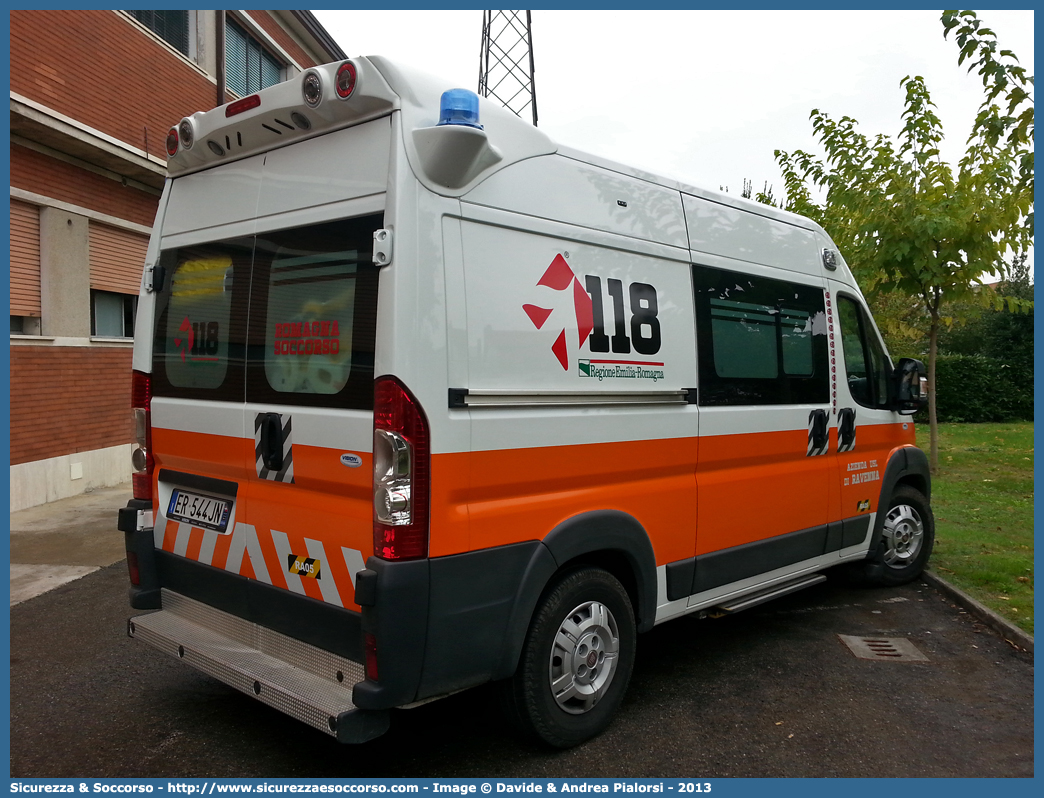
point(906, 543)
point(576, 661)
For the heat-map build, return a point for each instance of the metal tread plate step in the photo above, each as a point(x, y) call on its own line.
point(776, 591)
point(293, 677)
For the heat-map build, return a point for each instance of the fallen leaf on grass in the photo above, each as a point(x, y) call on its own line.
point(1021, 578)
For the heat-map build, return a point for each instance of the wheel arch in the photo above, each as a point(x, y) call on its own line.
point(907, 465)
point(609, 539)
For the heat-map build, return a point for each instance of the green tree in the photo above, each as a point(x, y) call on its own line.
point(906, 222)
point(1006, 337)
point(1003, 78)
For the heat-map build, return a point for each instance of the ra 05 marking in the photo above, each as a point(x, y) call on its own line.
point(304, 566)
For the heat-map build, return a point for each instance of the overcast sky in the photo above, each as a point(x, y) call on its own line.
point(706, 96)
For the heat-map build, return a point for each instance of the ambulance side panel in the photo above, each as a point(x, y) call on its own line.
point(540, 480)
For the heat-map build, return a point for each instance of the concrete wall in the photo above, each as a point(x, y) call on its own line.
point(68, 475)
point(65, 273)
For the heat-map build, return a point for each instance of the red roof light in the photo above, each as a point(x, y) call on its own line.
point(345, 80)
point(172, 142)
point(239, 106)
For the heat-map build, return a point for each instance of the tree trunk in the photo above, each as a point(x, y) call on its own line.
point(933, 421)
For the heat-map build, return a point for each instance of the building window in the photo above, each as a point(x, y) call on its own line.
point(248, 66)
point(112, 315)
point(171, 26)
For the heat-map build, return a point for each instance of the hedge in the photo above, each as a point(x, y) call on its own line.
point(974, 388)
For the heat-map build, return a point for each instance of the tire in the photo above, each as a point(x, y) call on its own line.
point(576, 661)
point(906, 542)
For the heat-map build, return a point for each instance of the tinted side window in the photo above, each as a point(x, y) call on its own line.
point(314, 316)
point(866, 365)
point(201, 321)
point(760, 341)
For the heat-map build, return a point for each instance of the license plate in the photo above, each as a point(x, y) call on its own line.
point(199, 510)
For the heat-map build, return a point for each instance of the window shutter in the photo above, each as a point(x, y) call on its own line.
point(271, 70)
point(248, 66)
point(117, 259)
point(236, 59)
point(171, 26)
point(25, 259)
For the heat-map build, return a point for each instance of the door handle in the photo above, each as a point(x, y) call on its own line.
point(818, 433)
point(272, 441)
point(846, 429)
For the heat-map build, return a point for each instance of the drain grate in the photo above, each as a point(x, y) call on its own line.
point(893, 649)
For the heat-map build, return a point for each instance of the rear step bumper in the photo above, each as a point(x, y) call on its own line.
point(298, 679)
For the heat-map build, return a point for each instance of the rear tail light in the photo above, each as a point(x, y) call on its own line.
point(401, 473)
point(141, 458)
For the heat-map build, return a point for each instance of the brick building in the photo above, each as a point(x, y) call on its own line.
point(93, 94)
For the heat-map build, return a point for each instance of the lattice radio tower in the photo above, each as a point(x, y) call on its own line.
point(506, 61)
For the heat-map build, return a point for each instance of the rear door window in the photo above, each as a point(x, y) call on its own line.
point(201, 321)
point(314, 315)
point(287, 317)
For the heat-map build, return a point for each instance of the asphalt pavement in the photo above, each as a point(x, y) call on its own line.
point(55, 543)
point(774, 691)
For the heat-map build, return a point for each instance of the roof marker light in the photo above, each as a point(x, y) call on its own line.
point(345, 80)
point(459, 107)
point(239, 106)
point(186, 134)
point(312, 88)
point(172, 142)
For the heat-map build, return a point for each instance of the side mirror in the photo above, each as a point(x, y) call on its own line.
point(910, 386)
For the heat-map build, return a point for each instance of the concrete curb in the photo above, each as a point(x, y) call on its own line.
point(1002, 626)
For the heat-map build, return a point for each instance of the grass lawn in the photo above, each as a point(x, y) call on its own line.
point(983, 504)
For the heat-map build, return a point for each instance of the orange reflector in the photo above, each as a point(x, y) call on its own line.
point(132, 566)
point(371, 656)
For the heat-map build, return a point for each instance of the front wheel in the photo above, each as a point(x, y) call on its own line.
point(906, 541)
point(576, 661)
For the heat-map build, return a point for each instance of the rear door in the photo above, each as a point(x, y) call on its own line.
point(199, 346)
point(309, 403)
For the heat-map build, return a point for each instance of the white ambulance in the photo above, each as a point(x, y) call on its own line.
point(425, 400)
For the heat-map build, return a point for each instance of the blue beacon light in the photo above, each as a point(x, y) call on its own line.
point(459, 107)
